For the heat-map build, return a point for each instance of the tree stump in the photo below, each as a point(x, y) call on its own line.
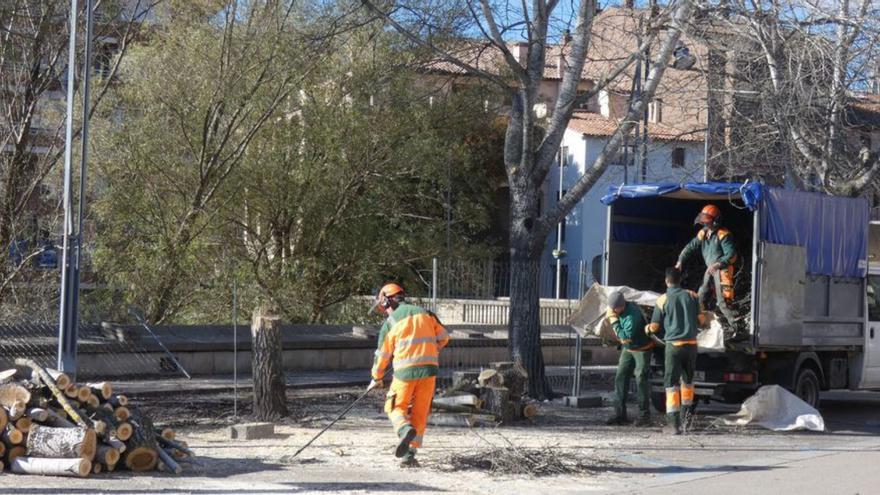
point(499, 403)
point(270, 402)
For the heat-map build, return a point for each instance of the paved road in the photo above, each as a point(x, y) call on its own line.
point(845, 460)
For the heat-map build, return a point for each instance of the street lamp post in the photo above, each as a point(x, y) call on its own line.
point(559, 253)
point(72, 241)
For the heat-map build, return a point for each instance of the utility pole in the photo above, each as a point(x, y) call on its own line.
point(72, 242)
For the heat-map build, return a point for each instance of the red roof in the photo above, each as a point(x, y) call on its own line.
point(595, 125)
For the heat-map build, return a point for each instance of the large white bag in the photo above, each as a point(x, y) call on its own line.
point(777, 409)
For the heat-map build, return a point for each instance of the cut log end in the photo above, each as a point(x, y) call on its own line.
point(11, 393)
point(102, 389)
point(96, 469)
point(168, 434)
point(23, 424)
point(108, 455)
point(141, 459)
point(122, 413)
point(13, 436)
point(83, 394)
point(15, 452)
point(530, 411)
point(124, 431)
point(93, 402)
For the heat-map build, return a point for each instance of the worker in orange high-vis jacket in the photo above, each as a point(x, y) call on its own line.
point(677, 317)
point(410, 341)
point(716, 245)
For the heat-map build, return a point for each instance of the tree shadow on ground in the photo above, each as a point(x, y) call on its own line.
point(685, 469)
point(293, 487)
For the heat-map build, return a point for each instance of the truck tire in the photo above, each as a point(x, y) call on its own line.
point(807, 386)
point(658, 400)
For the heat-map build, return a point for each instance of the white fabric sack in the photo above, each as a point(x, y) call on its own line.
point(588, 317)
point(777, 409)
point(711, 338)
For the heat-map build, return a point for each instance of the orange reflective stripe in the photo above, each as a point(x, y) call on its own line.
point(687, 394)
point(673, 400)
point(679, 343)
point(701, 235)
point(646, 347)
point(722, 233)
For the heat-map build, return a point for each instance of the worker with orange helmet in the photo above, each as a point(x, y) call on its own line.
point(719, 253)
point(410, 340)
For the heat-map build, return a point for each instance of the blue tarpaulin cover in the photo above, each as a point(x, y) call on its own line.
point(834, 230)
point(750, 193)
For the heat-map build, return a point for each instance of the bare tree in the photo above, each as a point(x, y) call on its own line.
point(33, 63)
point(812, 59)
point(531, 144)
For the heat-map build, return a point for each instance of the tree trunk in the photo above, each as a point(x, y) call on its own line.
point(268, 371)
point(54, 467)
point(524, 341)
point(46, 441)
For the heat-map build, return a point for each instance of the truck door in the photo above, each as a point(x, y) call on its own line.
point(871, 373)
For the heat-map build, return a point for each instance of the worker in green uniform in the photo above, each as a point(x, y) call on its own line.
point(677, 316)
point(719, 254)
point(629, 325)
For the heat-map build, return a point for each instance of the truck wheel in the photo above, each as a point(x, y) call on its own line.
point(807, 386)
point(658, 399)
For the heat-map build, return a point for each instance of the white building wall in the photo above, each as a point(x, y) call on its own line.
point(585, 225)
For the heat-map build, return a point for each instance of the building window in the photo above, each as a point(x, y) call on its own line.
point(564, 158)
point(625, 154)
point(585, 104)
point(655, 111)
point(678, 157)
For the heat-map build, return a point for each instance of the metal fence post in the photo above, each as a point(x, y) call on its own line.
point(434, 284)
point(234, 348)
point(578, 352)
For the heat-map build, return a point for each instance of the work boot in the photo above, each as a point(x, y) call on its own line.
point(671, 429)
point(643, 420)
point(406, 436)
point(672, 424)
point(687, 418)
point(409, 459)
point(616, 420)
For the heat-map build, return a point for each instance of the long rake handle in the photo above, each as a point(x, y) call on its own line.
point(343, 413)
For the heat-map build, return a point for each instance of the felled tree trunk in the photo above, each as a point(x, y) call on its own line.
point(499, 403)
point(46, 441)
point(268, 370)
point(56, 467)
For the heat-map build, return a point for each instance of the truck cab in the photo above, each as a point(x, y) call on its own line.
point(804, 292)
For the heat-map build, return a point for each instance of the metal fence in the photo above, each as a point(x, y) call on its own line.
point(489, 279)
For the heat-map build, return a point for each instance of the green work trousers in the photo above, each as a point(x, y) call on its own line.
point(678, 378)
point(632, 363)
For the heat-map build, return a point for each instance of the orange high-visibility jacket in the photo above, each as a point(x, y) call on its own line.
point(411, 339)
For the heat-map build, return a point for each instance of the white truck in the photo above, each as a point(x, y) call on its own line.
point(808, 282)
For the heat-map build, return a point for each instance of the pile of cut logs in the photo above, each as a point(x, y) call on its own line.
point(488, 397)
point(52, 426)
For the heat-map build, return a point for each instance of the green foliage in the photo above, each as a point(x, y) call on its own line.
point(305, 173)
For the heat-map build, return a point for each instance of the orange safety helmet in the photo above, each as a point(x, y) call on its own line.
point(708, 215)
point(388, 295)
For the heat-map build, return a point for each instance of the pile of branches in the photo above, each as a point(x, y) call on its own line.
point(50, 425)
point(519, 461)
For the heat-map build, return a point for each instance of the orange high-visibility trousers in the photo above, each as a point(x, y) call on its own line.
point(408, 403)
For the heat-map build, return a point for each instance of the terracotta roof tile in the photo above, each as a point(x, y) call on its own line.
point(596, 125)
